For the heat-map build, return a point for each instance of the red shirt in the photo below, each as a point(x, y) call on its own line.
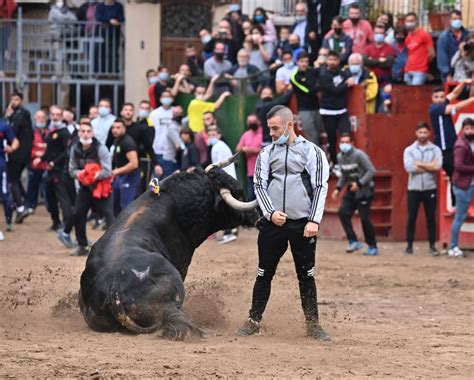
point(151, 96)
point(417, 44)
point(374, 52)
point(361, 34)
point(39, 147)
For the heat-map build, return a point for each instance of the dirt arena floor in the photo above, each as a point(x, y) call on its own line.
point(389, 316)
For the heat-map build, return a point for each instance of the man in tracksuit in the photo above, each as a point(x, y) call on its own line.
point(357, 173)
point(291, 186)
point(422, 160)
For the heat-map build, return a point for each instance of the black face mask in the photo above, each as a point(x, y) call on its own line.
point(469, 137)
point(191, 56)
point(219, 55)
point(253, 126)
point(294, 46)
point(355, 20)
point(267, 99)
point(338, 31)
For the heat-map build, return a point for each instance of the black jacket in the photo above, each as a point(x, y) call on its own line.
point(57, 150)
point(333, 89)
point(143, 134)
point(251, 70)
point(20, 123)
point(305, 85)
point(190, 156)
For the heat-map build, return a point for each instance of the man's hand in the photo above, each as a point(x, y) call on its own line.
point(36, 161)
point(354, 187)
point(311, 229)
point(279, 218)
point(215, 77)
point(312, 35)
point(114, 22)
point(350, 82)
point(335, 194)
point(8, 149)
point(226, 94)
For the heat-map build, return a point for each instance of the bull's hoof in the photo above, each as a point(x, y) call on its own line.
point(183, 332)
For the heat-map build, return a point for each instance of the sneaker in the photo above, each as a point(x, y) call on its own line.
point(9, 227)
point(30, 211)
point(250, 327)
point(81, 251)
point(314, 330)
point(98, 223)
point(2, 237)
point(55, 227)
point(371, 251)
point(353, 246)
point(20, 216)
point(409, 250)
point(455, 252)
point(65, 239)
point(433, 251)
point(227, 239)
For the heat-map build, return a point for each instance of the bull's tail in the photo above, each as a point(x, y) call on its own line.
point(118, 310)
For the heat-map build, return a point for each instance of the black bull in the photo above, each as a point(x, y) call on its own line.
point(134, 274)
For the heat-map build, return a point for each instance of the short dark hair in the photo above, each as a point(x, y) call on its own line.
point(422, 125)
point(119, 120)
point(456, 12)
point(187, 131)
point(354, 6)
point(161, 67)
point(144, 101)
point(167, 92)
point(380, 26)
point(190, 45)
point(333, 53)
point(346, 134)
point(468, 121)
point(149, 71)
point(106, 100)
point(85, 123)
point(209, 112)
point(438, 89)
point(338, 19)
point(302, 54)
point(412, 14)
point(17, 93)
point(69, 109)
point(127, 104)
point(286, 52)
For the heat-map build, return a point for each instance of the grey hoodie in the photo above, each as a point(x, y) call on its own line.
point(292, 179)
point(426, 154)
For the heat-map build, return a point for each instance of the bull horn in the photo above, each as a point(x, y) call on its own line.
point(223, 164)
point(124, 319)
point(235, 203)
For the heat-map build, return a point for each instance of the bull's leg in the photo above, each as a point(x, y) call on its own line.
point(177, 326)
point(100, 323)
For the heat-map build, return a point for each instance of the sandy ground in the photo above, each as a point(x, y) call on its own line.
point(389, 316)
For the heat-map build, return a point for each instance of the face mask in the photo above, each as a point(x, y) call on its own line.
point(206, 39)
point(322, 58)
point(294, 46)
point(56, 123)
point(354, 20)
point(84, 141)
point(153, 80)
point(104, 111)
point(40, 125)
point(267, 99)
point(259, 18)
point(142, 114)
point(469, 137)
point(59, 4)
point(379, 38)
point(338, 31)
point(283, 138)
point(345, 147)
point(219, 56)
point(166, 101)
point(164, 76)
point(289, 65)
point(410, 26)
point(300, 18)
point(354, 69)
point(400, 40)
point(212, 141)
point(456, 24)
point(253, 126)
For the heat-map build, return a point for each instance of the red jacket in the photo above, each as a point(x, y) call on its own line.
point(39, 146)
point(7, 9)
point(463, 163)
point(87, 177)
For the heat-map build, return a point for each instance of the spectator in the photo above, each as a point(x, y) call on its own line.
point(69, 117)
point(338, 41)
point(151, 76)
point(246, 86)
point(422, 160)
point(322, 58)
point(398, 68)
point(87, 13)
point(246, 26)
point(102, 124)
point(448, 44)
point(282, 44)
point(260, 52)
point(295, 47)
point(463, 60)
point(183, 80)
point(7, 10)
point(20, 122)
point(55, 157)
point(172, 143)
point(334, 84)
point(216, 65)
point(359, 30)
point(301, 23)
point(207, 43)
point(36, 172)
point(199, 105)
point(224, 35)
point(261, 19)
point(283, 74)
point(236, 18)
point(161, 117)
point(463, 182)
point(251, 144)
point(386, 19)
point(126, 175)
point(93, 113)
point(346, 5)
point(194, 62)
point(304, 81)
point(190, 157)
point(420, 52)
point(60, 19)
point(264, 105)
point(8, 144)
point(111, 16)
point(362, 76)
point(440, 113)
point(89, 159)
point(209, 119)
point(357, 177)
point(159, 84)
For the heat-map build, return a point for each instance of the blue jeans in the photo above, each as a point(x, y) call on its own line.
point(125, 189)
point(36, 184)
point(169, 167)
point(5, 196)
point(463, 201)
point(415, 78)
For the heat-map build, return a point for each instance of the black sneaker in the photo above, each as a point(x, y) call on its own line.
point(250, 327)
point(409, 250)
point(20, 216)
point(433, 251)
point(314, 330)
point(98, 223)
point(55, 227)
point(81, 251)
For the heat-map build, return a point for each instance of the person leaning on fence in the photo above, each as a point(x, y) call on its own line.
point(422, 160)
point(238, 74)
point(337, 40)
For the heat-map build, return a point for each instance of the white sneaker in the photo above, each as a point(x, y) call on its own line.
point(2, 237)
point(455, 252)
point(227, 239)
